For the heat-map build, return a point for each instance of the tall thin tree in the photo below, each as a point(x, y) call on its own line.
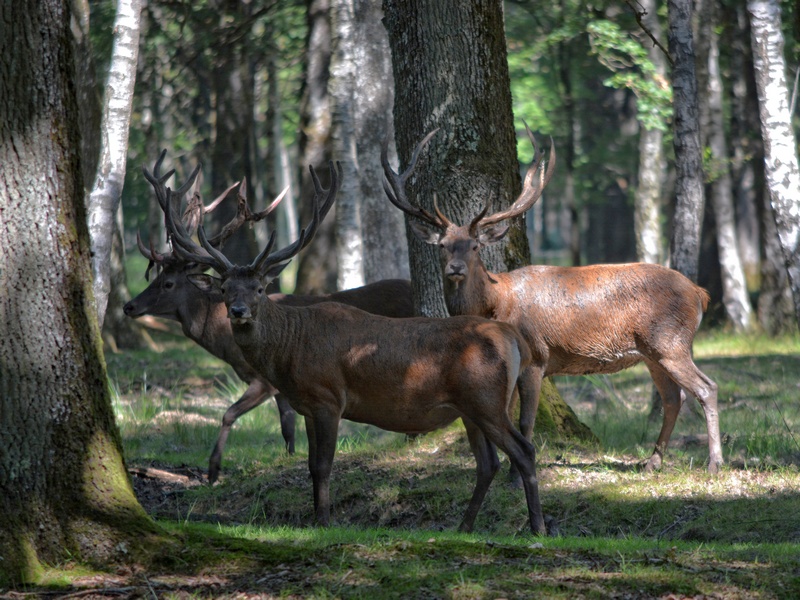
point(689, 196)
point(107, 188)
point(780, 155)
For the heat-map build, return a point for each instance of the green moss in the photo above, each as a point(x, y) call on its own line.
point(557, 421)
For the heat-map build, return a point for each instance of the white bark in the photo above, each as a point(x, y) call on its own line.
point(647, 209)
point(371, 242)
point(107, 189)
point(734, 286)
point(780, 158)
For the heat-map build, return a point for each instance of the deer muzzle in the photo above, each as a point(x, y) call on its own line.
point(239, 313)
point(456, 270)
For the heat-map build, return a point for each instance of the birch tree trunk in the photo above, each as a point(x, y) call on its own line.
point(775, 303)
point(371, 243)
point(107, 188)
point(734, 285)
point(688, 220)
point(780, 157)
point(647, 199)
point(64, 490)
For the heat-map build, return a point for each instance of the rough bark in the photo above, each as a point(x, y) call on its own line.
point(780, 157)
point(460, 84)
point(689, 197)
point(64, 491)
point(317, 268)
point(110, 177)
point(442, 81)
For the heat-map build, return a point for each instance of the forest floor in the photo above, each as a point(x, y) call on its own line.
point(397, 503)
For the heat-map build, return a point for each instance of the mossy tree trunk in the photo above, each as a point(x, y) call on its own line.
point(64, 490)
point(451, 72)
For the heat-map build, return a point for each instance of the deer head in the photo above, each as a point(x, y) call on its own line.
point(461, 243)
point(243, 287)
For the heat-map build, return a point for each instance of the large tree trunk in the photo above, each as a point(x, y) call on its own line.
point(780, 157)
point(442, 81)
point(688, 219)
point(317, 269)
point(64, 491)
point(371, 241)
point(110, 177)
point(460, 83)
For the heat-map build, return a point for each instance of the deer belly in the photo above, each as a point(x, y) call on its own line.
point(398, 415)
point(586, 364)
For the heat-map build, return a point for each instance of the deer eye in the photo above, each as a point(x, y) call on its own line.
point(260, 291)
point(168, 285)
point(475, 247)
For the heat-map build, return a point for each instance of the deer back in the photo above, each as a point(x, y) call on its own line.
point(601, 318)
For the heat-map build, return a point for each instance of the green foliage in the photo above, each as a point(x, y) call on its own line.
point(633, 70)
point(175, 106)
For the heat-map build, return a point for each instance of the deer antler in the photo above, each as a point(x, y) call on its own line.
point(194, 213)
point(394, 185)
point(530, 193)
point(206, 253)
point(322, 203)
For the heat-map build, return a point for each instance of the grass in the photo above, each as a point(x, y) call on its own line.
point(397, 502)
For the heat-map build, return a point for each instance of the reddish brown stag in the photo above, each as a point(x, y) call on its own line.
point(407, 375)
point(576, 320)
point(204, 317)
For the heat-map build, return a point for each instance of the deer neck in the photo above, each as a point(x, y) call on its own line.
point(475, 295)
point(268, 339)
point(200, 319)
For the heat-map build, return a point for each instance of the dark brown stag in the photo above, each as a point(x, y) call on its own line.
point(576, 320)
point(203, 316)
point(406, 375)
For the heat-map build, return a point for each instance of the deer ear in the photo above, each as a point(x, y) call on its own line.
point(427, 234)
point(492, 235)
point(275, 270)
point(208, 284)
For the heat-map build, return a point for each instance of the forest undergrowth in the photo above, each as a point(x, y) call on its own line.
point(397, 502)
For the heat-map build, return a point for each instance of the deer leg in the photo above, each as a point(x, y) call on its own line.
point(671, 399)
point(322, 432)
point(523, 455)
point(487, 465)
point(255, 395)
point(686, 374)
point(287, 416)
point(529, 386)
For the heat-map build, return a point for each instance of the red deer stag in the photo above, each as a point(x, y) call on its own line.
point(576, 320)
point(406, 375)
point(204, 318)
